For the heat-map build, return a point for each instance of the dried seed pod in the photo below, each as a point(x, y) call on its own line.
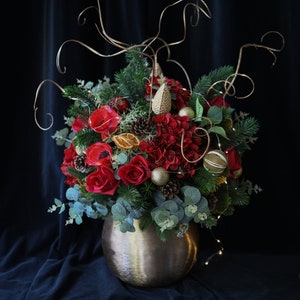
point(125, 141)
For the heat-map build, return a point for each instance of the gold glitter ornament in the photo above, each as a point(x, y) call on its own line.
point(161, 103)
point(160, 176)
point(215, 161)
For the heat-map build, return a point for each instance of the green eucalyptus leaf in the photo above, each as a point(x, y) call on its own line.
point(191, 194)
point(122, 158)
point(215, 114)
point(218, 130)
point(78, 220)
point(62, 209)
point(57, 202)
point(199, 110)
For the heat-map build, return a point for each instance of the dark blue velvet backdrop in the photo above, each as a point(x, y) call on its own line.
point(43, 259)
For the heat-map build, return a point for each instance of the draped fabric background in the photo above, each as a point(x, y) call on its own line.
point(41, 258)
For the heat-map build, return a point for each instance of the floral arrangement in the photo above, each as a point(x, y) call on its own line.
point(142, 146)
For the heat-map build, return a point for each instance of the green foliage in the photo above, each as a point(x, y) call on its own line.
point(61, 137)
point(206, 181)
point(86, 136)
point(245, 129)
point(82, 99)
point(132, 78)
point(146, 202)
point(202, 89)
point(230, 195)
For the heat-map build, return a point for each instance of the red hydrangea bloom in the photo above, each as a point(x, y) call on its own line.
point(182, 95)
point(175, 135)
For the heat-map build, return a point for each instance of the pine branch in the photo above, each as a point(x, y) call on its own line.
point(242, 135)
point(82, 98)
point(131, 79)
point(206, 81)
point(86, 137)
point(205, 181)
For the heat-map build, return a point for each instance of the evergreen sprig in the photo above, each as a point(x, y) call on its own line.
point(244, 131)
point(132, 78)
point(82, 99)
point(86, 136)
point(205, 181)
point(202, 89)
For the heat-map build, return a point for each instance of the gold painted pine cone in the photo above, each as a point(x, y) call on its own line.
point(162, 102)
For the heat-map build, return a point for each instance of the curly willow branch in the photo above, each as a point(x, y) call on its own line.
point(231, 86)
point(197, 8)
point(125, 47)
point(272, 50)
point(35, 107)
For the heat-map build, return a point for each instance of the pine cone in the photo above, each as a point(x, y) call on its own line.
point(80, 164)
point(171, 188)
point(142, 128)
point(212, 201)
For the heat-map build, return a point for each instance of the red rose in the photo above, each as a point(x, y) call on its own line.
point(98, 154)
point(234, 162)
point(136, 171)
point(104, 120)
point(102, 181)
point(216, 101)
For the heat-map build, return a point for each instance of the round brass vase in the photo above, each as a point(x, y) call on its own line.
point(140, 258)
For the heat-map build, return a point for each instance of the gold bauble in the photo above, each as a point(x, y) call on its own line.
point(160, 176)
point(215, 161)
point(187, 111)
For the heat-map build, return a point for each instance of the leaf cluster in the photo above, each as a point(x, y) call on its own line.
point(132, 78)
point(211, 85)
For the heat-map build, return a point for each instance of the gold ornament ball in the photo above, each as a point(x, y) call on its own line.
point(186, 111)
point(215, 161)
point(160, 176)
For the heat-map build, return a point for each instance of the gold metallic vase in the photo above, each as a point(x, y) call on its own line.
point(140, 258)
